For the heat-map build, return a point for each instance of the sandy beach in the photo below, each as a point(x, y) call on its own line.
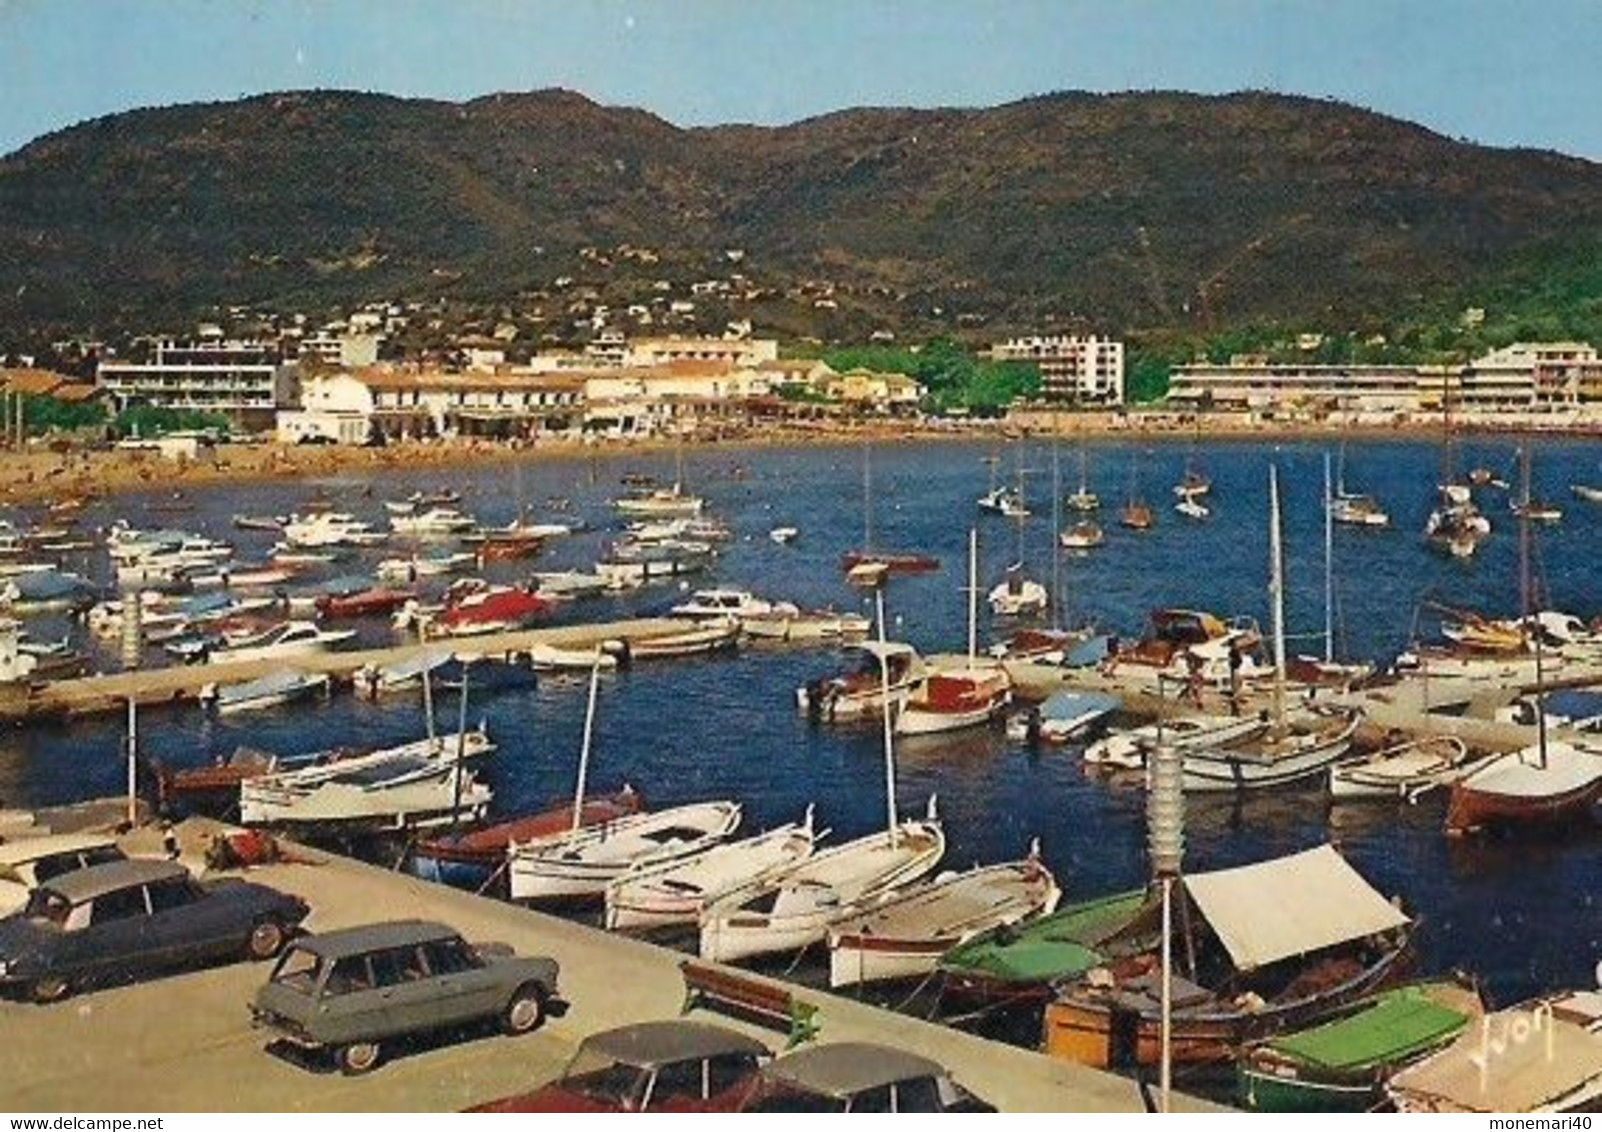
point(42, 475)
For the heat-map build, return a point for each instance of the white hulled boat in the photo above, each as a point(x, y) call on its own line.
point(292, 638)
point(580, 865)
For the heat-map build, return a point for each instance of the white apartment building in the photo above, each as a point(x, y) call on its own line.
point(349, 351)
point(1083, 368)
point(742, 352)
point(334, 407)
point(246, 380)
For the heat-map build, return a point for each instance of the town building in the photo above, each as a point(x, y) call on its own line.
point(247, 381)
point(336, 408)
point(1086, 369)
point(733, 351)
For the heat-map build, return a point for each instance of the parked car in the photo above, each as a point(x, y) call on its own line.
point(132, 918)
point(651, 1067)
point(859, 1077)
point(352, 991)
point(28, 862)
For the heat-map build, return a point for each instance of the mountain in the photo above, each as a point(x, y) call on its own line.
point(1141, 210)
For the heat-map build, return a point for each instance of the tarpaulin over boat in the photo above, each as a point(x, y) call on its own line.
point(1293, 905)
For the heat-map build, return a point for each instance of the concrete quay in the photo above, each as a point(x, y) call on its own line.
point(185, 1043)
point(110, 692)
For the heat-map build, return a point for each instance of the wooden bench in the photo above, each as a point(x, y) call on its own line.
point(742, 996)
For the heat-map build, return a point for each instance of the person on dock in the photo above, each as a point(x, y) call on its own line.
point(1194, 680)
point(1236, 659)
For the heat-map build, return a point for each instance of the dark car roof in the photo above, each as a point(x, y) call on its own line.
point(843, 1069)
point(97, 880)
point(649, 1045)
point(374, 937)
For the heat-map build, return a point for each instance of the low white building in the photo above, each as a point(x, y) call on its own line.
point(335, 408)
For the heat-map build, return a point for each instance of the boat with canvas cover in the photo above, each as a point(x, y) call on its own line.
point(1556, 1067)
point(677, 892)
point(903, 936)
point(1281, 944)
point(267, 691)
point(1062, 717)
point(1342, 1065)
point(1017, 963)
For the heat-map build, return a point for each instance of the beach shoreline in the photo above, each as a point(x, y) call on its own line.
point(41, 475)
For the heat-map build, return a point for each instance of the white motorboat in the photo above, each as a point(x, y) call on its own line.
point(1192, 508)
point(555, 658)
point(435, 522)
point(292, 638)
point(904, 935)
point(860, 692)
point(581, 864)
point(784, 535)
point(663, 503)
point(1405, 771)
point(786, 914)
point(728, 603)
point(329, 529)
point(568, 585)
point(677, 892)
point(416, 566)
point(268, 691)
point(418, 785)
point(1586, 492)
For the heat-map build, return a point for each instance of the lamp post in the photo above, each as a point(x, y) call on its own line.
point(1165, 834)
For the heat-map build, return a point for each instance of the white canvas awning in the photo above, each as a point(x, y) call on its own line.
point(1289, 906)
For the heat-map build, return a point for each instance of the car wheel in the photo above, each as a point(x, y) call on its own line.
point(51, 988)
point(358, 1058)
point(267, 939)
point(525, 1010)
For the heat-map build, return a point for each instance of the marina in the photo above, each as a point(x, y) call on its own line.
point(727, 737)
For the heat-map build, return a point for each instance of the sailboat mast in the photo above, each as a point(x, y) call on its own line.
point(461, 748)
point(1527, 608)
point(1056, 535)
point(867, 497)
point(1276, 591)
point(584, 749)
point(889, 739)
point(973, 595)
point(1329, 565)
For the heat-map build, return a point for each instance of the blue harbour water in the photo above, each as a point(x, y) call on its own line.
point(1520, 912)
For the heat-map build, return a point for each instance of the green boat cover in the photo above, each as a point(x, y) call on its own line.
point(1392, 1027)
point(1050, 947)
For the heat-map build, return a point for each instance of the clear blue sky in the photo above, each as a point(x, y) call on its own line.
point(1496, 71)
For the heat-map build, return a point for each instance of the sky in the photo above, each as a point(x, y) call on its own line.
point(1500, 72)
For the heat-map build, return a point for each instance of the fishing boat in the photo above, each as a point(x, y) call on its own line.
point(1358, 511)
point(785, 914)
point(705, 637)
point(1135, 513)
point(903, 935)
point(1547, 783)
point(965, 694)
point(288, 639)
point(1129, 748)
point(1342, 1065)
point(1544, 1055)
point(1062, 717)
point(264, 692)
point(1082, 536)
point(384, 790)
point(579, 865)
point(860, 692)
point(472, 858)
point(1284, 943)
point(1404, 771)
point(1016, 964)
point(678, 891)
point(544, 657)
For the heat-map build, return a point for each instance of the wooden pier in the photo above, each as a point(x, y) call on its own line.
point(110, 692)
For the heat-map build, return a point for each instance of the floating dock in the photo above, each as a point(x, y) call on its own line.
point(110, 692)
point(185, 1043)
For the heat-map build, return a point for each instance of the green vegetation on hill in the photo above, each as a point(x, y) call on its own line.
point(1151, 214)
